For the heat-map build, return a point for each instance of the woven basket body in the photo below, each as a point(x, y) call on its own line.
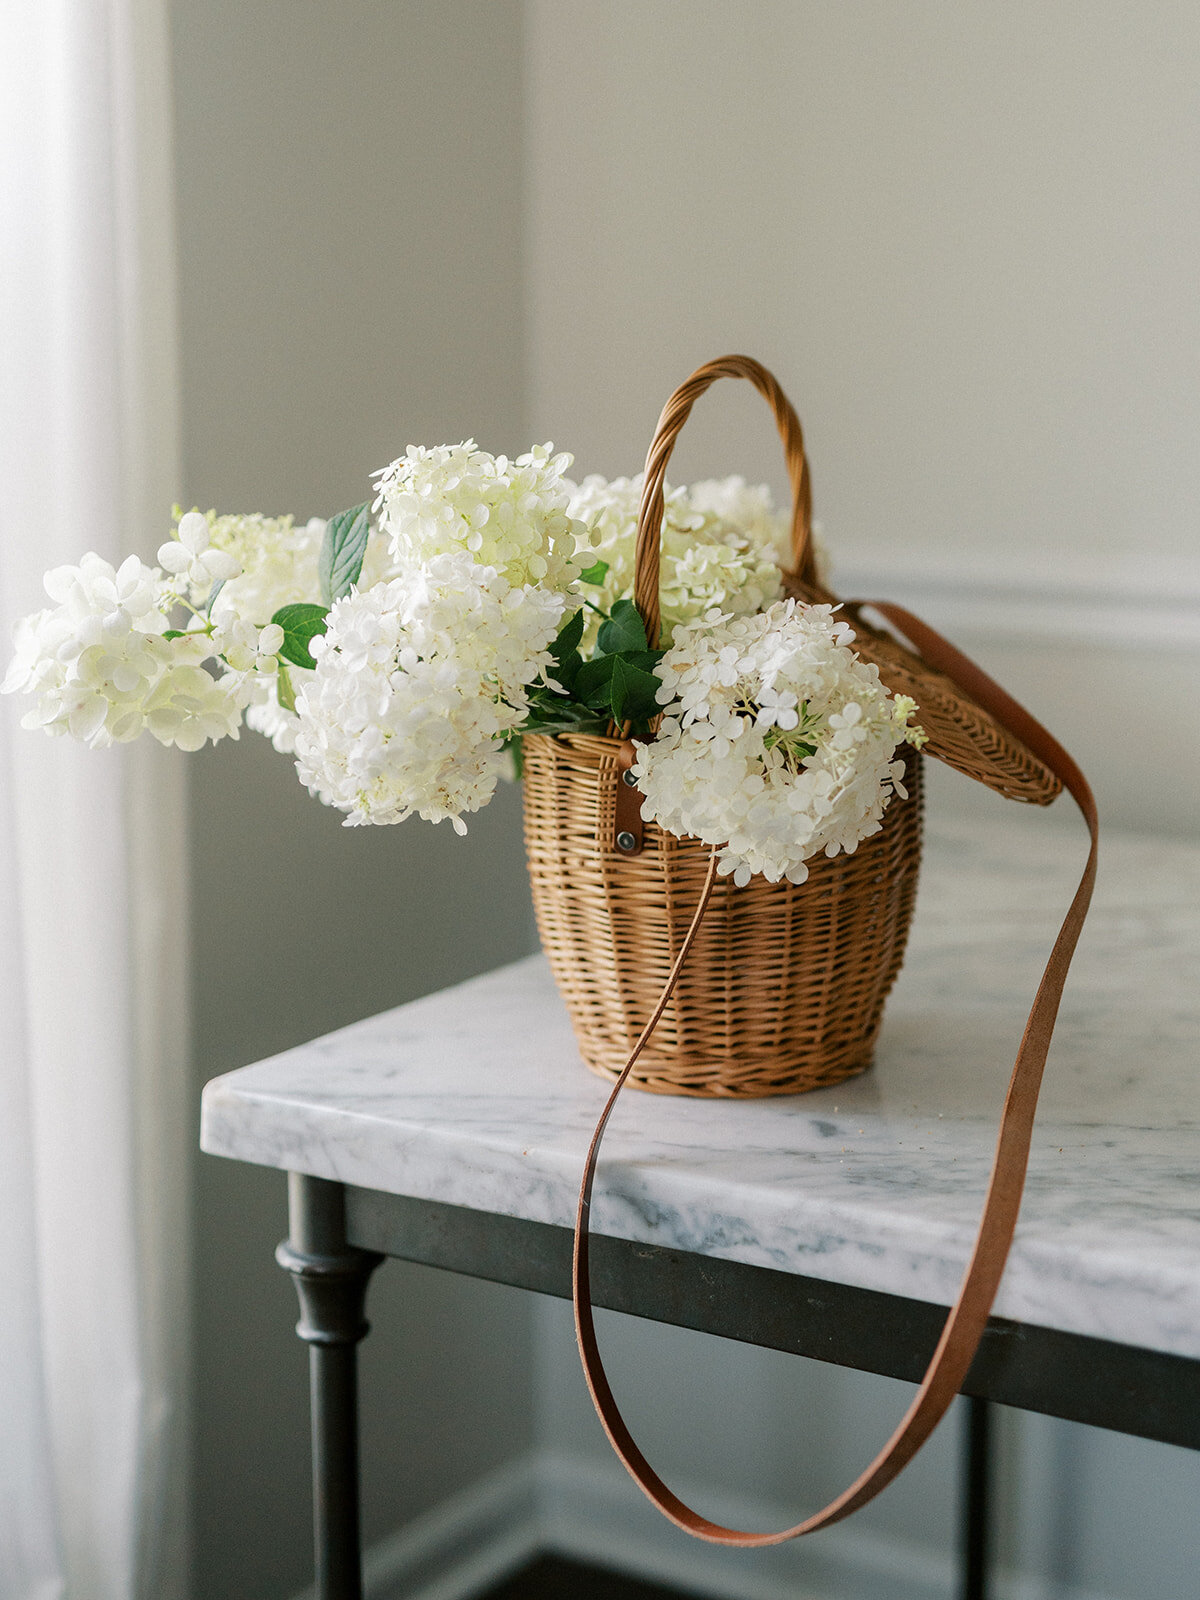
point(784, 987)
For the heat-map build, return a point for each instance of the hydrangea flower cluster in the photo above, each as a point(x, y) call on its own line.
point(777, 741)
point(272, 562)
point(418, 683)
point(276, 560)
point(421, 679)
point(723, 546)
point(278, 568)
point(106, 664)
point(752, 511)
point(510, 515)
point(445, 640)
point(103, 666)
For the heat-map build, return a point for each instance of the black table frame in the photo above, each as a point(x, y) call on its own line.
point(339, 1234)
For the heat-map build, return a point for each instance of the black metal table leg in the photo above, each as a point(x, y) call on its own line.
point(974, 1510)
point(331, 1282)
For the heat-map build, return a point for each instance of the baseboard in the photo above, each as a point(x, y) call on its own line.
point(592, 1512)
point(597, 1514)
point(461, 1547)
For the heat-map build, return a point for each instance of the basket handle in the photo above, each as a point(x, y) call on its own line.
point(674, 414)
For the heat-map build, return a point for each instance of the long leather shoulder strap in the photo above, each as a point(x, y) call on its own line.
point(968, 1317)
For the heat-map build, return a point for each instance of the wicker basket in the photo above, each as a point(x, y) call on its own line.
point(783, 989)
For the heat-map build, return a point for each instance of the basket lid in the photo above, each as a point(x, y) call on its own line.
point(961, 733)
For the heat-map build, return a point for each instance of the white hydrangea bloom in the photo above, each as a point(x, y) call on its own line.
point(102, 671)
point(777, 742)
point(187, 707)
point(275, 722)
point(190, 556)
point(276, 562)
point(277, 566)
point(244, 647)
point(751, 510)
point(510, 515)
point(418, 682)
point(719, 550)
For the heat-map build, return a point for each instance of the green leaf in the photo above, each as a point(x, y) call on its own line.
point(596, 573)
point(647, 660)
point(342, 552)
point(546, 705)
point(624, 630)
point(565, 652)
point(300, 623)
point(212, 595)
point(593, 682)
point(633, 693)
point(566, 672)
point(568, 636)
point(174, 633)
point(284, 689)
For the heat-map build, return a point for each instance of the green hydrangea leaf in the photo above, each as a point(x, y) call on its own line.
point(593, 682)
point(633, 693)
point(342, 552)
point(565, 651)
point(624, 630)
point(596, 573)
point(568, 636)
point(647, 660)
point(300, 623)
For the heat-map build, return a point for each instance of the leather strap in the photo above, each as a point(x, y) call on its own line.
point(968, 1317)
point(628, 829)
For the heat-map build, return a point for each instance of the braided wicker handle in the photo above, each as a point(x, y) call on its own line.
point(674, 414)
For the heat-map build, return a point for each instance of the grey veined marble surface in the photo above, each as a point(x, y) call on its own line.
point(476, 1096)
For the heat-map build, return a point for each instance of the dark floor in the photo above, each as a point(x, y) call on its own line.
point(555, 1578)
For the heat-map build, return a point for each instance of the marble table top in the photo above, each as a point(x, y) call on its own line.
point(476, 1096)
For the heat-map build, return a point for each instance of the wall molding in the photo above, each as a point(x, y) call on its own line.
point(1155, 605)
point(576, 1507)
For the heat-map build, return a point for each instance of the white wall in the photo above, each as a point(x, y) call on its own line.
point(965, 238)
point(349, 209)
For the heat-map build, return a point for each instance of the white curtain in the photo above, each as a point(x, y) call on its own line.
point(94, 1115)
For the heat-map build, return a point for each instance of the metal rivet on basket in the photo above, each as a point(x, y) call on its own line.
point(626, 841)
point(628, 778)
